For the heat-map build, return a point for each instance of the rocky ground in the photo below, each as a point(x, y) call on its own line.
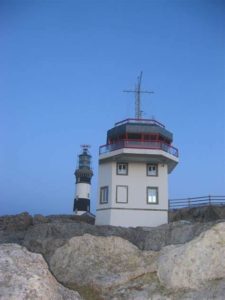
point(180, 260)
point(25, 275)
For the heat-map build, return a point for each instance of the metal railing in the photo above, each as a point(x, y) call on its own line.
point(140, 121)
point(196, 201)
point(139, 145)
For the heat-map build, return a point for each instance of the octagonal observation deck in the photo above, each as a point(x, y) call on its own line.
point(140, 140)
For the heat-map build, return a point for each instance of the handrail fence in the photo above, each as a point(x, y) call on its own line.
point(156, 145)
point(196, 201)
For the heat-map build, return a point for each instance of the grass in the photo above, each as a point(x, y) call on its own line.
point(87, 292)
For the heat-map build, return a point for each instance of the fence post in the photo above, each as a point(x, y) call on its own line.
point(189, 202)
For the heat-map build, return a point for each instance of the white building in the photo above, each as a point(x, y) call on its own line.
point(133, 174)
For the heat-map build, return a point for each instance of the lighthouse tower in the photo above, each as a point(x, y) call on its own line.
point(133, 172)
point(83, 176)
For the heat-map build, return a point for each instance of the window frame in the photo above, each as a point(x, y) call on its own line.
point(104, 193)
point(125, 186)
point(157, 195)
point(117, 168)
point(147, 171)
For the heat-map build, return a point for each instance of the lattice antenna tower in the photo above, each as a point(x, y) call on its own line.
point(137, 92)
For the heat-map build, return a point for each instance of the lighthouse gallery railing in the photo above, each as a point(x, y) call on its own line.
point(138, 145)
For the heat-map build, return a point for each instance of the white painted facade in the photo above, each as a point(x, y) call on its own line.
point(80, 212)
point(136, 211)
point(83, 190)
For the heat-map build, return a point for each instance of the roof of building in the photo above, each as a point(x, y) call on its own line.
point(137, 126)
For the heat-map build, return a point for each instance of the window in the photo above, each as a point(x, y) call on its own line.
point(134, 136)
point(152, 195)
point(152, 170)
point(122, 169)
point(103, 195)
point(122, 194)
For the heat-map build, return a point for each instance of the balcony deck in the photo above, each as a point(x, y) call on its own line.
point(137, 144)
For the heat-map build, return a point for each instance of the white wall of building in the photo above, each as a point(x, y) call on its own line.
point(83, 190)
point(137, 182)
point(105, 179)
point(137, 212)
point(103, 217)
point(134, 218)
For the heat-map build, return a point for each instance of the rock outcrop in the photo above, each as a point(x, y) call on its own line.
point(179, 260)
point(45, 238)
point(207, 213)
point(45, 234)
point(16, 222)
point(102, 262)
point(120, 270)
point(13, 227)
point(25, 275)
point(193, 264)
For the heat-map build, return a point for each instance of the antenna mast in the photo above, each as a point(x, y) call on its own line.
point(137, 92)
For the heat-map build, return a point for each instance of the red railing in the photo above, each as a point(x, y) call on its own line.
point(154, 145)
point(143, 121)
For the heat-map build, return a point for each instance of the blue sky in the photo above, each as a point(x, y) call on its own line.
point(63, 67)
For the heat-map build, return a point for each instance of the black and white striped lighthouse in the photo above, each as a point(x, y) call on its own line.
point(83, 176)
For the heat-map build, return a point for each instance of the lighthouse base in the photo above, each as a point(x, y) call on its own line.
point(81, 205)
point(131, 217)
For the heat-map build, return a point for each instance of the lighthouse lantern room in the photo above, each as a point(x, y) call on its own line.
point(133, 172)
point(83, 175)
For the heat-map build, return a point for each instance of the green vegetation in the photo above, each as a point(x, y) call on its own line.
point(87, 292)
